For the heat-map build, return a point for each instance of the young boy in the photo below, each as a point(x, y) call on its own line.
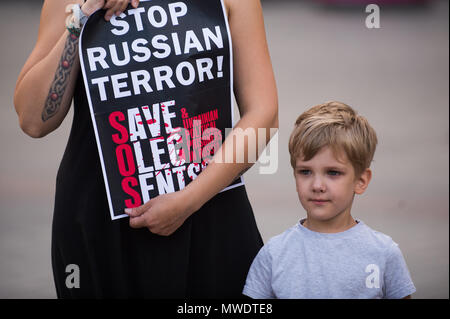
point(329, 254)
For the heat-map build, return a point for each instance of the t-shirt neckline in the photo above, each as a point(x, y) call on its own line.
point(344, 233)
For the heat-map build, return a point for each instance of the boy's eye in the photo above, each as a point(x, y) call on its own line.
point(334, 173)
point(304, 171)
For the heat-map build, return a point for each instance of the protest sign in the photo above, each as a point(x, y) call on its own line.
point(159, 81)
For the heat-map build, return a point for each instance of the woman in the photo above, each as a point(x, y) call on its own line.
point(197, 242)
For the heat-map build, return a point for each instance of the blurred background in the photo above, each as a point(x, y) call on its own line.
point(396, 75)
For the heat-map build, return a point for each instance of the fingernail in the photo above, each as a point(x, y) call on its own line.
point(127, 210)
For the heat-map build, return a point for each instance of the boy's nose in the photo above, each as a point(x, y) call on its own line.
point(318, 185)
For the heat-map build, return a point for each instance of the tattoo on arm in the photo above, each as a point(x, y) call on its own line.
point(61, 79)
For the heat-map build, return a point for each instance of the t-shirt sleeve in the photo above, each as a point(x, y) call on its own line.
point(397, 280)
point(259, 279)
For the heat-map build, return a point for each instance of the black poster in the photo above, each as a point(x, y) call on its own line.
point(159, 84)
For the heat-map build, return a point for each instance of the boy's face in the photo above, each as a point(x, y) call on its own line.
point(326, 185)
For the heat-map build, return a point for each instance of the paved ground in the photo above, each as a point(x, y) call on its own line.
point(397, 76)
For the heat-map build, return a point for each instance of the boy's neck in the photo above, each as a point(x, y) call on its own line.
point(330, 226)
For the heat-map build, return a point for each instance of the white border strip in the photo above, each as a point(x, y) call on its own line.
point(94, 123)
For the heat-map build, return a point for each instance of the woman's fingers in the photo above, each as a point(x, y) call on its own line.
point(115, 7)
point(109, 4)
point(135, 3)
point(122, 7)
point(138, 222)
point(112, 9)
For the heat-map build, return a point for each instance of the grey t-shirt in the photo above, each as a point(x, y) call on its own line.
point(357, 263)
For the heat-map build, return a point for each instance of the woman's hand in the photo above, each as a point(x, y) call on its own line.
point(111, 6)
point(164, 214)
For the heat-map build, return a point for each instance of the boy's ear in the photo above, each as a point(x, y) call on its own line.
point(363, 181)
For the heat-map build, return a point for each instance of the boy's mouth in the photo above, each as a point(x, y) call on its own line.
point(319, 201)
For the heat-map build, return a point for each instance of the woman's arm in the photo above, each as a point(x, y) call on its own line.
point(256, 94)
point(45, 86)
point(255, 91)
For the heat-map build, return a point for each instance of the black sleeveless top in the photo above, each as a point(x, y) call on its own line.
point(207, 257)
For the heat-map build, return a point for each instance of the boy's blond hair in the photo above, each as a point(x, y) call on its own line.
point(338, 126)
